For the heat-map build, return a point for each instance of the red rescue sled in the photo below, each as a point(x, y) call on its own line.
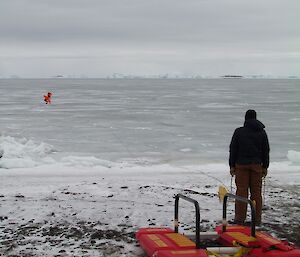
point(226, 240)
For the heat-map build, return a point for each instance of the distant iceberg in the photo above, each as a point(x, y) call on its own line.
point(232, 77)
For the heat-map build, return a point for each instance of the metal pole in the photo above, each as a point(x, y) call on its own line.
point(197, 209)
point(242, 199)
point(176, 214)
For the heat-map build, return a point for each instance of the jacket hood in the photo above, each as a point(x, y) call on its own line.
point(254, 124)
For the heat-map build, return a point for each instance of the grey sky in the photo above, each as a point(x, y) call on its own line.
point(41, 38)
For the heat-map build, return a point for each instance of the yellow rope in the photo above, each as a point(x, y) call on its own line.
point(212, 253)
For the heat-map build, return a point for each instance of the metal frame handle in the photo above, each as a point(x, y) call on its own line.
point(242, 199)
point(197, 208)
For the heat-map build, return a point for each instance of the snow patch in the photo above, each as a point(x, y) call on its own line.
point(294, 156)
point(23, 153)
point(85, 161)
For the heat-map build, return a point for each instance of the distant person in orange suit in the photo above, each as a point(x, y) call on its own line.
point(47, 98)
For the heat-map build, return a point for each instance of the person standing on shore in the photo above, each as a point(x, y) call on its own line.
point(249, 162)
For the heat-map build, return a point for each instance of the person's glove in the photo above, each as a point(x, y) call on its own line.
point(232, 171)
point(264, 172)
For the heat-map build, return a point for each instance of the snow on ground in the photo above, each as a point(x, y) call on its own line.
point(77, 210)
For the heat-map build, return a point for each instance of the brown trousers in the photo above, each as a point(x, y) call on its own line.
point(248, 177)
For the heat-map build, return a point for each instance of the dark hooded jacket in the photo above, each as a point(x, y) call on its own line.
point(250, 145)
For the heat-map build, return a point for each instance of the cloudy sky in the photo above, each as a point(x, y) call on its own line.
point(42, 38)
